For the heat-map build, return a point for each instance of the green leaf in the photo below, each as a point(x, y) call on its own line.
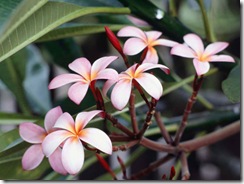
point(15, 119)
point(75, 29)
point(45, 19)
point(12, 74)
point(232, 85)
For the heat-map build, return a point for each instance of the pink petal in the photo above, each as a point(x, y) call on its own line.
point(97, 139)
point(64, 79)
point(151, 85)
point(32, 157)
point(51, 118)
point(53, 141)
point(151, 57)
point(31, 132)
point(195, 42)
point(121, 94)
point(131, 31)
point(214, 48)
point(153, 35)
point(78, 91)
point(148, 66)
point(73, 156)
point(107, 85)
point(81, 66)
point(83, 118)
point(107, 73)
point(133, 46)
point(222, 58)
point(66, 122)
point(182, 50)
point(201, 67)
point(101, 63)
point(56, 162)
point(164, 42)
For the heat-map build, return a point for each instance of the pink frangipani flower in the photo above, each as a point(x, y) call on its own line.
point(141, 40)
point(86, 74)
point(71, 135)
point(194, 48)
point(121, 92)
point(35, 134)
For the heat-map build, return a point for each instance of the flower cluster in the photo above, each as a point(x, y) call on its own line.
point(64, 139)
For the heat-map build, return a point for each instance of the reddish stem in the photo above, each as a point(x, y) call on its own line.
point(133, 113)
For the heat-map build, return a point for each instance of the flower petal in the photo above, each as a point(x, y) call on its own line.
point(221, 58)
point(195, 42)
point(56, 162)
point(183, 51)
point(164, 42)
point(32, 157)
point(133, 46)
point(201, 67)
point(31, 132)
point(64, 79)
point(66, 122)
point(151, 56)
point(53, 141)
point(97, 139)
point(73, 156)
point(121, 94)
point(83, 118)
point(214, 48)
point(148, 66)
point(101, 63)
point(78, 91)
point(81, 66)
point(107, 73)
point(152, 35)
point(107, 85)
point(131, 31)
point(151, 85)
point(51, 118)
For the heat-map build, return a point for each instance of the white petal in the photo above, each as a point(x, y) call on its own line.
point(54, 140)
point(131, 31)
point(64, 79)
point(81, 66)
point(151, 85)
point(56, 162)
point(73, 156)
point(101, 63)
point(195, 42)
point(133, 46)
point(51, 118)
point(221, 58)
point(183, 51)
point(201, 67)
point(32, 157)
point(66, 122)
point(78, 91)
point(214, 48)
point(121, 94)
point(97, 139)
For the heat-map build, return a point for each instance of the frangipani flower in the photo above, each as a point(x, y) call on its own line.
point(71, 135)
point(141, 40)
point(194, 48)
point(85, 75)
point(35, 134)
point(121, 92)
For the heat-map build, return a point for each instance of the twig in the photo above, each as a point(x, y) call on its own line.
point(210, 138)
point(116, 124)
point(185, 174)
point(119, 138)
point(151, 167)
point(125, 146)
point(123, 168)
point(148, 120)
point(133, 113)
point(196, 86)
point(138, 87)
point(162, 128)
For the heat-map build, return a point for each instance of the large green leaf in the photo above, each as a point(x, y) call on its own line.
point(46, 18)
point(76, 29)
point(232, 85)
point(15, 118)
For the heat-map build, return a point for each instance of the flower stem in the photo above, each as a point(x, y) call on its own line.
point(133, 113)
point(208, 30)
point(162, 128)
point(185, 173)
point(196, 86)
